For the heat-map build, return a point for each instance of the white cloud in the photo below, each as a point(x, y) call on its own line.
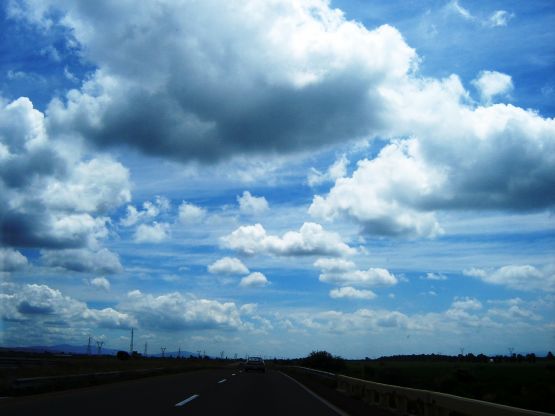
point(190, 213)
point(280, 59)
point(351, 292)
point(83, 260)
point(520, 277)
point(337, 170)
point(460, 10)
point(150, 210)
point(311, 239)
point(255, 279)
point(52, 197)
point(343, 272)
point(457, 157)
point(101, 283)
point(248, 308)
point(434, 276)
point(174, 311)
point(252, 205)
point(377, 194)
point(40, 304)
point(500, 18)
point(491, 84)
point(370, 277)
point(155, 233)
point(466, 304)
point(11, 260)
point(228, 265)
point(334, 265)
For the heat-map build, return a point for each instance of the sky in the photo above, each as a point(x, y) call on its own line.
point(277, 177)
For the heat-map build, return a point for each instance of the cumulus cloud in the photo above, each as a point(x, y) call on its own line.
point(342, 272)
point(311, 239)
point(154, 233)
point(252, 205)
point(492, 83)
point(375, 193)
point(191, 213)
point(370, 277)
point(456, 157)
point(174, 311)
point(334, 265)
point(228, 265)
point(40, 304)
point(11, 260)
point(337, 170)
point(255, 279)
point(150, 210)
point(83, 260)
point(331, 79)
point(362, 320)
point(51, 197)
point(305, 75)
point(520, 277)
point(352, 293)
point(101, 283)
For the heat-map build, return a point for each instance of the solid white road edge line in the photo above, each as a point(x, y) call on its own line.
point(222, 381)
point(193, 397)
point(331, 406)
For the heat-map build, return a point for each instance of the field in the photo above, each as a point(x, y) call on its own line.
point(25, 365)
point(520, 384)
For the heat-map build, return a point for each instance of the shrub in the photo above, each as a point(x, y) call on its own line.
point(323, 360)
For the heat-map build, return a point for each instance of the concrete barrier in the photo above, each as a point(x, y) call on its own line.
point(406, 401)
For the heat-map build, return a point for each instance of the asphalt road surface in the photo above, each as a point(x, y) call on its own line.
point(208, 392)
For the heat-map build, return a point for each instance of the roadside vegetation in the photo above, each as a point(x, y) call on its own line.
point(524, 381)
point(21, 365)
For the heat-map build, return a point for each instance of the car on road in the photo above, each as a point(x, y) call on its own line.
point(254, 364)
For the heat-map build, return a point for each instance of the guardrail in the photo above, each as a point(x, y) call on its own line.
point(415, 402)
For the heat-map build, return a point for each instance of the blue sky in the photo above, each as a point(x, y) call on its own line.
point(273, 178)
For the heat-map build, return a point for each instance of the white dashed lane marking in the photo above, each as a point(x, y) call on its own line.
point(193, 397)
point(222, 381)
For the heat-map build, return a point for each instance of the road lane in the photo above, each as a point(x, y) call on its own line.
point(198, 393)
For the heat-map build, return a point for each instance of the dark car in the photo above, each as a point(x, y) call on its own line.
point(254, 364)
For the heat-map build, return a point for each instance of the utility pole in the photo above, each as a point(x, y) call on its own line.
point(131, 345)
point(163, 349)
point(145, 349)
point(179, 352)
point(99, 347)
point(89, 347)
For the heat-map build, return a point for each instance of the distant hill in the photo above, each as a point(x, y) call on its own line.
point(82, 349)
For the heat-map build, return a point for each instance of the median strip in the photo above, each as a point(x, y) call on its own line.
point(193, 397)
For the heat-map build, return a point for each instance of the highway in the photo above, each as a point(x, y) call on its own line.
point(207, 392)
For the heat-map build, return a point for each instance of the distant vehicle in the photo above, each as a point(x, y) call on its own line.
point(254, 364)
